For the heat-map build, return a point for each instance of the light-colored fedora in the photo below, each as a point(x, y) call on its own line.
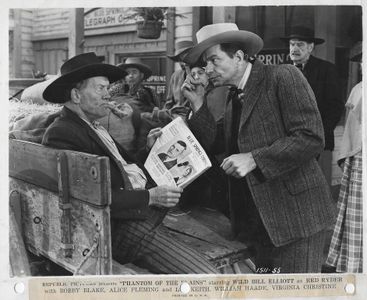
point(181, 48)
point(220, 33)
point(135, 62)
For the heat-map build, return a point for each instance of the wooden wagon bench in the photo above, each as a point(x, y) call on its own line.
point(59, 209)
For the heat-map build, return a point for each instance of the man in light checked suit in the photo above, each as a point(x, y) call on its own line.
point(271, 134)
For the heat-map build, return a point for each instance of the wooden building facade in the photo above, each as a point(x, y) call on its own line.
point(38, 38)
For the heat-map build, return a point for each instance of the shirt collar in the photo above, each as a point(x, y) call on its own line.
point(245, 76)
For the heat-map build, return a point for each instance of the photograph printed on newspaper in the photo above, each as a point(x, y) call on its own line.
point(247, 118)
point(176, 157)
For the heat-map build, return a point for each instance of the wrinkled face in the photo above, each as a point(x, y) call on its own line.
point(175, 150)
point(134, 76)
point(199, 73)
point(300, 51)
point(93, 96)
point(220, 68)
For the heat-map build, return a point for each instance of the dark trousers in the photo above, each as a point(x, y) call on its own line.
point(302, 256)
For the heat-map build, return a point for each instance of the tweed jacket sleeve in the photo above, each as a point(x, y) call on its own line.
point(291, 129)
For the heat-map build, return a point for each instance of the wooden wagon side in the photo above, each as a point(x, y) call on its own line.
point(60, 209)
point(63, 198)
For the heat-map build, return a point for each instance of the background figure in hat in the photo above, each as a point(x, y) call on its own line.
point(271, 135)
point(323, 78)
point(144, 98)
point(174, 93)
point(175, 96)
point(346, 251)
point(137, 207)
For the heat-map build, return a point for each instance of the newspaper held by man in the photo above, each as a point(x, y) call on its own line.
point(176, 157)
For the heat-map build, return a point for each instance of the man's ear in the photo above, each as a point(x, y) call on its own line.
point(311, 46)
point(240, 55)
point(74, 96)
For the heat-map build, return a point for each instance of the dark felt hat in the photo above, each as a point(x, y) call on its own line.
point(78, 68)
point(303, 34)
point(181, 48)
point(219, 33)
point(135, 62)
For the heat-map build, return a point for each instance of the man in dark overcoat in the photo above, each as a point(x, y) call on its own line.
point(323, 78)
point(271, 134)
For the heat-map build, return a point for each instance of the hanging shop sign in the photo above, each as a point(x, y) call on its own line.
point(106, 17)
point(274, 56)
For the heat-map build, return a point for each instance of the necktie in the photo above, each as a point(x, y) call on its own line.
point(300, 67)
point(237, 94)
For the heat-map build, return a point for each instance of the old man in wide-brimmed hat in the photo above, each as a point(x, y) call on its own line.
point(271, 134)
point(137, 207)
point(136, 73)
point(323, 79)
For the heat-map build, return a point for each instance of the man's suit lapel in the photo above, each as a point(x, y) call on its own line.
point(251, 92)
point(125, 177)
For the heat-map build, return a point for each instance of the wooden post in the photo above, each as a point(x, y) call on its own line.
point(224, 14)
point(17, 50)
point(195, 22)
point(76, 35)
point(171, 24)
point(326, 29)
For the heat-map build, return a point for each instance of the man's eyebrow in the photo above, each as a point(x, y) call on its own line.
point(211, 57)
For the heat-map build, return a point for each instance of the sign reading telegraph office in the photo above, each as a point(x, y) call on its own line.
point(106, 17)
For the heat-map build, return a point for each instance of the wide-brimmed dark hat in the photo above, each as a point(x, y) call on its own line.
point(303, 34)
point(135, 62)
point(219, 33)
point(181, 48)
point(356, 52)
point(76, 69)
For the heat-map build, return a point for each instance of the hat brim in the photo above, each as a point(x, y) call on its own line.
point(56, 91)
point(143, 68)
point(251, 42)
point(316, 41)
point(177, 57)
